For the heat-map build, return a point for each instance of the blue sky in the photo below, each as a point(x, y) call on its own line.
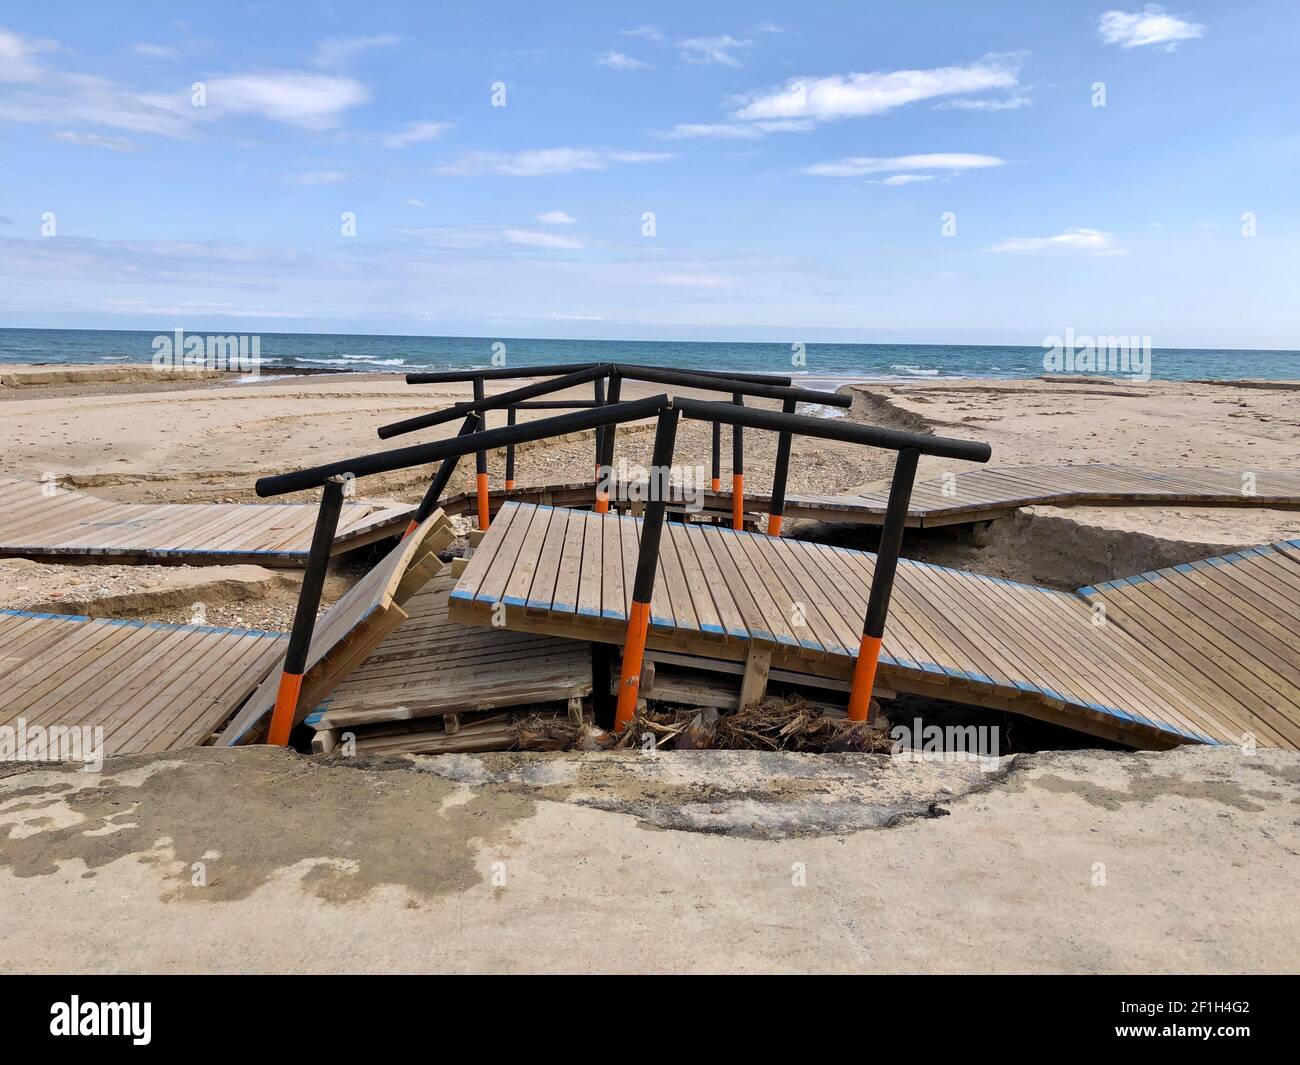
point(799, 161)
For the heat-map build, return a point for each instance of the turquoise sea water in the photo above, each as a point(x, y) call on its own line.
point(404, 354)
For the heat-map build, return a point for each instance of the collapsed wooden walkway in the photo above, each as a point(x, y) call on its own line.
point(42, 520)
point(412, 690)
point(982, 494)
point(150, 687)
point(798, 606)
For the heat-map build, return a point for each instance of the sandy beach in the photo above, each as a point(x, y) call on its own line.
point(130, 436)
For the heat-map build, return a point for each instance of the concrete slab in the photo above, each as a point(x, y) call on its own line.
point(261, 860)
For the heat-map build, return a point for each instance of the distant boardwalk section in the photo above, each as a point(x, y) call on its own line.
point(41, 520)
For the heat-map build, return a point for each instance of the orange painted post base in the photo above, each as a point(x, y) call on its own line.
point(410, 528)
point(629, 685)
point(738, 501)
point(510, 486)
point(716, 486)
point(286, 706)
point(482, 500)
point(774, 525)
point(864, 678)
point(602, 491)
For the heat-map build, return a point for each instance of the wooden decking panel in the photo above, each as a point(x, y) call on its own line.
point(432, 665)
point(350, 629)
point(149, 686)
point(39, 520)
point(961, 635)
point(1226, 629)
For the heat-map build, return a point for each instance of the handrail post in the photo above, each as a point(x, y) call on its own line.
point(737, 470)
point(480, 464)
point(304, 617)
point(647, 562)
point(882, 583)
point(510, 453)
point(776, 512)
point(605, 472)
point(716, 483)
point(598, 389)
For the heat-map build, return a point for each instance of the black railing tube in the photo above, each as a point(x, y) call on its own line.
point(833, 429)
point(493, 374)
point(882, 583)
point(598, 399)
point(737, 468)
point(503, 399)
point(605, 470)
point(709, 382)
point(283, 716)
point(420, 454)
point(776, 511)
point(647, 563)
point(510, 452)
point(716, 481)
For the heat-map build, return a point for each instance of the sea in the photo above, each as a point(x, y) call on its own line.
point(305, 352)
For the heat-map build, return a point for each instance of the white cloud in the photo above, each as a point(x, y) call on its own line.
point(858, 165)
point(906, 179)
point(557, 218)
point(333, 53)
point(576, 317)
point(316, 177)
point(703, 281)
point(769, 27)
point(86, 99)
point(649, 33)
point(18, 56)
point(1010, 103)
point(539, 161)
point(413, 202)
point(313, 101)
point(538, 239)
point(415, 132)
point(1089, 241)
point(721, 130)
point(154, 51)
point(94, 140)
point(712, 49)
point(1135, 29)
point(857, 95)
point(619, 61)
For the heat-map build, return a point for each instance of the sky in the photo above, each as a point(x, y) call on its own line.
point(859, 172)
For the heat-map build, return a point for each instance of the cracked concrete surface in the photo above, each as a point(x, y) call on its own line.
point(261, 860)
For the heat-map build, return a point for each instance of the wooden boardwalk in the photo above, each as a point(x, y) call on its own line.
point(352, 628)
point(151, 687)
point(39, 520)
point(432, 666)
point(726, 595)
point(1233, 624)
point(988, 492)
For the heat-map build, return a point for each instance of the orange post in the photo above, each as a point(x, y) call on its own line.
point(716, 484)
point(411, 528)
point(774, 524)
point(864, 678)
point(482, 479)
point(738, 501)
point(286, 708)
point(629, 685)
point(510, 486)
